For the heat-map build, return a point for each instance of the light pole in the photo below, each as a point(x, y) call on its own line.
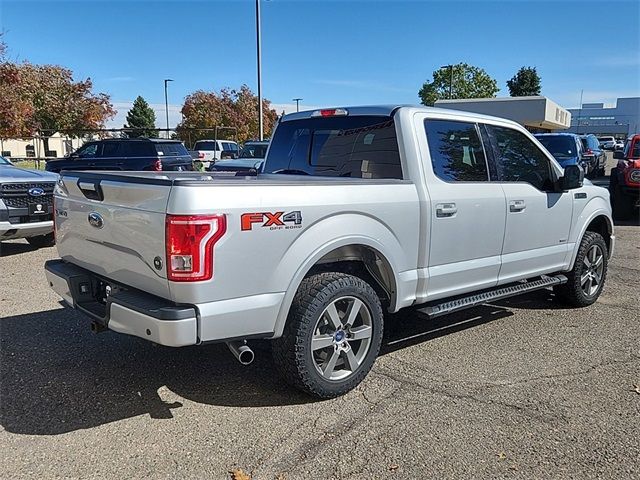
point(258, 49)
point(166, 103)
point(450, 67)
point(297, 100)
point(579, 113)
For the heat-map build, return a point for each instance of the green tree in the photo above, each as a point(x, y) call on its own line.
point(458, 81)
point(525, 83)
point(141, 119)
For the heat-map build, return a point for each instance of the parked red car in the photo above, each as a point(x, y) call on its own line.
point(624, 183)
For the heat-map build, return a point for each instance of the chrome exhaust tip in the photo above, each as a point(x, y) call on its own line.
point(241, 351)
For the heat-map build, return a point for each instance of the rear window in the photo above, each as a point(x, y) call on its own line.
point(356, 147)
point(171, 149)
point(559, 146)
point(205, 145)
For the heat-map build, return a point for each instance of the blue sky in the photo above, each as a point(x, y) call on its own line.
point(328, 52)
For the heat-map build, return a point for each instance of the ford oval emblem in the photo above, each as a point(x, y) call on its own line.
point(95, 220)
point(36, 192)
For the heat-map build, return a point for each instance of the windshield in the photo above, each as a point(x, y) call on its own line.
point(4, 161)
point(559, 146)
point(253, 151)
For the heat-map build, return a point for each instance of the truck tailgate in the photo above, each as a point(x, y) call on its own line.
point(114, 226)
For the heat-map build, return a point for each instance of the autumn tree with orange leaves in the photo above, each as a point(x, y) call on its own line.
point(228, 108)
point(46, 99)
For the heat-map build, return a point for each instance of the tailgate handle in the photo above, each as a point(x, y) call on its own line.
point(91, 189)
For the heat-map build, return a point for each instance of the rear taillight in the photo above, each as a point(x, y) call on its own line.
point(200, 155)
point(589, 151)
point(157, 166)
point(190, 243)
point(330, 112)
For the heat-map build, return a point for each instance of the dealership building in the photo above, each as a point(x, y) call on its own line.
point(537, 114)
point(620, 121)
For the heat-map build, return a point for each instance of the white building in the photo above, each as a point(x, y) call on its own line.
point(59, 146)
point(537, 114)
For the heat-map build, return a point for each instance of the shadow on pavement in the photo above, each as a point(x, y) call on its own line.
point(14, 248)
point(57, 377)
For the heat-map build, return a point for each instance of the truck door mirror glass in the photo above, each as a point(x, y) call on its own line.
point(573, 177)
point(618, 155)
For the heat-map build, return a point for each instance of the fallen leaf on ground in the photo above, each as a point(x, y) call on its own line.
point(636, 388)
point(501, 455)
point(393, 467)
point(238, 474)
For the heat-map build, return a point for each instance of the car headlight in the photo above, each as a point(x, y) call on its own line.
point(634, 176)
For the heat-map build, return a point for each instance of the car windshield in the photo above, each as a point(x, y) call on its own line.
point(559, 146)
point(253, 151)
point(4, 161)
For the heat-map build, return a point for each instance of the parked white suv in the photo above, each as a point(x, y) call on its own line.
point(209, 151)
point(608, 143)
point(361, 211)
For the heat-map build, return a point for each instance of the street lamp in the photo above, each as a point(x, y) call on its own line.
point(166, 103)
point(259, 54)
point(450, 67)
point(297, 100)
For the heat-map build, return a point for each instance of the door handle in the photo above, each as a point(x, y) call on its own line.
point(446, 210)
point(517, 205)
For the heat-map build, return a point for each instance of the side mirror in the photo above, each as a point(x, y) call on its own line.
point(573, 177)
point(618, 155)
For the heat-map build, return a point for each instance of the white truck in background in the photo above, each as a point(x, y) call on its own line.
point(359, 211)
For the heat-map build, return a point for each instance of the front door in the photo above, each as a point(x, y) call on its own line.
point(538, 218)
point(467, 220)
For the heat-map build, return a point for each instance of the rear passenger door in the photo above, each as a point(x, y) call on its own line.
point(467, 220)
point(538, 217)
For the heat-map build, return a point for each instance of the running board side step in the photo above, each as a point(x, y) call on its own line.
point(450, 306)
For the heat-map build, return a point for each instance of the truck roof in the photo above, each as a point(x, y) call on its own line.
point(388, 110)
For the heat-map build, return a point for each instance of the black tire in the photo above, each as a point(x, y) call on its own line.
point(42, 241)
point(293, 353)
point(573, 292)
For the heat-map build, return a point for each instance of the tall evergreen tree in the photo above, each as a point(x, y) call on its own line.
point(525, 83)
point(142, 119)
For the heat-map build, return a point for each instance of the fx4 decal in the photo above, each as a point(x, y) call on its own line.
point(273, 221)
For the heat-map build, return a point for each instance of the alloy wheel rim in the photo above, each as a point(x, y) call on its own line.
point(592, 271)
point(341, 338)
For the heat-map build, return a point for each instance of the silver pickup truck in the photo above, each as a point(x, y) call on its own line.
point(359, 211)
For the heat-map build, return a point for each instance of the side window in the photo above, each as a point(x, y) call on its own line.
point(110, 149)
point(141, 149)
point(88, 151)
point(518, 159)
point(456, 151)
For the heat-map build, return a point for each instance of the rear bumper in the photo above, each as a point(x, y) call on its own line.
point(137, 313)
point(125, 311)
point(24, 230)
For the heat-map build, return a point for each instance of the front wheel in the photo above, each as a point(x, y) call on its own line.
point(42, 241)
point(586, 279)
point(332, 337)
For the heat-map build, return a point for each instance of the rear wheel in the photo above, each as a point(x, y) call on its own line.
point(42, 241)
point(586, 279)
point(332, 337)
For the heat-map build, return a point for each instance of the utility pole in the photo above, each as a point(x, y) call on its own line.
point(297, 100)
point(166, 103)
point(258, 49)
point(450, 67)
point(579, 113)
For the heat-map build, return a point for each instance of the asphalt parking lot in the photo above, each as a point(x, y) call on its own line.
point(523, 388)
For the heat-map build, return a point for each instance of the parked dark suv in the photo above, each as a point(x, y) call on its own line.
point(126, 154)
point(594, 154)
